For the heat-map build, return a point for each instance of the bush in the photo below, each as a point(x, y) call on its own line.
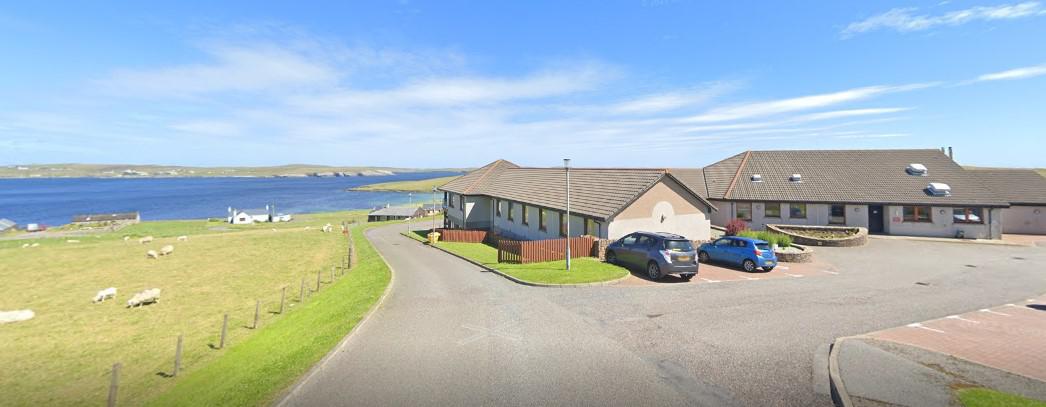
point(778, 239)
point(736, 226)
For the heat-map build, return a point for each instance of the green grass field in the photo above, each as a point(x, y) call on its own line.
point(583, 269)
point(64, 355)
point(424, 185)
point(981, 397)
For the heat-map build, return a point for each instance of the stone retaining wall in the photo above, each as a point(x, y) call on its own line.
point(807, 256)
point(859, 239)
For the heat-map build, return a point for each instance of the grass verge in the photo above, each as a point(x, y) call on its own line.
point(981, 397)
point(583, 269)
point(255, 371)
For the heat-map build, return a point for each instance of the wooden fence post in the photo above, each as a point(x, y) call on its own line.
point(177, 357)
point(257, 309)
point(301, 293)
point(283, 298)
point(114, 384)
point(319, 274)
point(225, 326)
point(332, 275)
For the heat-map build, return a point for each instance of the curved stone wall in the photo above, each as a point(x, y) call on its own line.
point(858, 239)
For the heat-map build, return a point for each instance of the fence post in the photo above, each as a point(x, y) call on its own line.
point(332, 275)
point(177, 357)
point(114, 384)
point(318, 275)
point(283, 297)
point(257, 308)
point(225, 326)
point(301, 293)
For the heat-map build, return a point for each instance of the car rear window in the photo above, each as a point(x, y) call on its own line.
point(679, 245)
point(762, 246)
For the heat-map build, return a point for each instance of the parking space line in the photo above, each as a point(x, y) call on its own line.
point(793, 275)
point(749, 278)
point(783, 267)
point(921, 326)
point(830, 272)
point(994, 312)
point(709, 280)
point(962, 319)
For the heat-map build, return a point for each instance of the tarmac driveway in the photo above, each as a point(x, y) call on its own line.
point(451, 334)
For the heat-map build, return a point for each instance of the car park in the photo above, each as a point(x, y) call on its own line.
point(746, 252)
point(660, 254)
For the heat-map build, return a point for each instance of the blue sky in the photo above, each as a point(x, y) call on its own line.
point(651, 83)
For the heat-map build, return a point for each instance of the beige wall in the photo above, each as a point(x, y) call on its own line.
point(476, 211)
point(532, 231)
point(1024, 220)
point(816, 214)
point(665, 207)
point(942, 224)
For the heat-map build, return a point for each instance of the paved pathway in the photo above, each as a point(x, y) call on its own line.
point(449, 334)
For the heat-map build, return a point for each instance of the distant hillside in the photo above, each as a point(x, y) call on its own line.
point(132, 170)
point(424, 185)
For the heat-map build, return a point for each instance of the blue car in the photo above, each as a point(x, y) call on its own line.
point(746, 252)
point(660, 254)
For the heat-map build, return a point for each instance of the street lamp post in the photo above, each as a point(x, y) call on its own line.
point(410, 197)
point(566, 168)
point(433, 207)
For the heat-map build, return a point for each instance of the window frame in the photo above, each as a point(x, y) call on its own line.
point(737, 211)
point(589, 223)
point(450, 199)
point(793, 205)
point(563, 219)
point(831, 207)
point(541, 220)
point(524, 219)
point(497, 208)
point(967, 212)
point(769, 204)
point(916, 211)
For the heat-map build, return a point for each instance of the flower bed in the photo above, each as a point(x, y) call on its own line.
point(794, 254)
point(836, 236)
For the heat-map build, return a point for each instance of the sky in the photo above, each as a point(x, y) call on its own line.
point(644, 83)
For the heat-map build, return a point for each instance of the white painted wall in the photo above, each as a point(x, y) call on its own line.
point(1029, 220)
point(532, 231)
point(816, 214)
point(942, 224)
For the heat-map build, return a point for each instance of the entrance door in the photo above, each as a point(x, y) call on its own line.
point(875, 219)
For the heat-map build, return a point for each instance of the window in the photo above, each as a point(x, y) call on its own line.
point(628, 240)
point(461, 199)
point(772, 210)
point(797, 210)
point(837, 216)
point(511, 206)
point(591, 227)
point(526, 219)
point(450, 199)
point(541, 220)
point(563, 224)
point(645, 241)
point(744, 210)
point(679, 245)
point(724, 242)
point(917, 214)
point(497, 208)
point(967, 215)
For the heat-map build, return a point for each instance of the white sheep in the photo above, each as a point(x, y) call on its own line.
point(35, 245)
point(327, 228)
point(72, 241)
point(144, 297)
point(126, 238)
point(15, 316)
point(308, 228)
point(144, 240)
point(152, 254)
point(183, 238)
point(105, 294)
point(166, 250)
point(25, 245)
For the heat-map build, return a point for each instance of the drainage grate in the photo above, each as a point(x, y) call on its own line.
point(971, 266)
point(1018, 258)
point(921, 283)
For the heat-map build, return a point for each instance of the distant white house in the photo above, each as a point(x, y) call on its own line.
point(6, 224)
point(249, 216)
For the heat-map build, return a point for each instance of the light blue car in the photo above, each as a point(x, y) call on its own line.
point(746, 252)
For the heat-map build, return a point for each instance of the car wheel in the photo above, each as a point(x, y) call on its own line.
point(653, 271)
point(767, 269)
point(687, 277)
point(611, 258)
point(748, 265)
point(702, 256)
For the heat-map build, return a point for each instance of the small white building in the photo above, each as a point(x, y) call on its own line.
point(249, 216)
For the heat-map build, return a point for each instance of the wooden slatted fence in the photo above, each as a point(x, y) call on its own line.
point(536, 251)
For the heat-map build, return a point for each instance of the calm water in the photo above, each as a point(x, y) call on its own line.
point(54, 201)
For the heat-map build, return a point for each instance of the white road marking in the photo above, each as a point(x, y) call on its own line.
point(709, 280)
point(749, 278)
point(921, 326)
point(962, 319)
point(783, 267)
point(793, 275)
point(829, 272)
point(1032, 300)
point(994, 312)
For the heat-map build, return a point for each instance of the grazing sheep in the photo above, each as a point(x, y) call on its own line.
point(166, 250)
point(35, 245)
point(327, 228)
point(126, 238)
point(273, 229)
point(25, 245)
point(152, 254)
point(72, 241)
point(183, 238)
point(105, 294)
point(144, 297)
point(308, 228)
point(144, 240)
point(15, 316)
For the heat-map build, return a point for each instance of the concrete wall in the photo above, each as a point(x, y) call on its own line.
point(816, 215)
point(1029, 220)
point(942, 224)
point(666, 207)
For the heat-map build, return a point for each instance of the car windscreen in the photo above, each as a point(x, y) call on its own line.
point(679, 245)
point(762, 246)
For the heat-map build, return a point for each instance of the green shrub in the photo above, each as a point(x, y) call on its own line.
point(781, 240)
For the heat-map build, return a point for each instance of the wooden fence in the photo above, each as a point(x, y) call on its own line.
point(462, 235)
point(535, 251)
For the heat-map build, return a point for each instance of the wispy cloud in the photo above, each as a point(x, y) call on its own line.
point(668, 101)
point(905, 19)
point(803, 103)
point(1018, 73)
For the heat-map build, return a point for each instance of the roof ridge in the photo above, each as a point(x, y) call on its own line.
point(490, 168)
point(740, 167)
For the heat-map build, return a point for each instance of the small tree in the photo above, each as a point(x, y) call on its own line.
point(735, 226)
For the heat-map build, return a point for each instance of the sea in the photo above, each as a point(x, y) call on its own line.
point(54, 201)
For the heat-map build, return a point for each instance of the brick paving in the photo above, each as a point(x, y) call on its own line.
point(1008, 337)
point(723, 273)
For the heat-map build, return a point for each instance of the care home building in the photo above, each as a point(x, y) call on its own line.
point(530, 203)
point(1025, 190)
point(899, 192)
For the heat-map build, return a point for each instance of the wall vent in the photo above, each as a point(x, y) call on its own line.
point(796, 178)
point(916, 169)
point(757, 178)
point(939, 189)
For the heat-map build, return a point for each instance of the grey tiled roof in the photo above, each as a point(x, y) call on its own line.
point(1019, 186)
point(694, 178)
point(845, 176)
point(395, 211)
point(596, 192)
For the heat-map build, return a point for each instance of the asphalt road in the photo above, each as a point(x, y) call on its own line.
point(450, 334)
